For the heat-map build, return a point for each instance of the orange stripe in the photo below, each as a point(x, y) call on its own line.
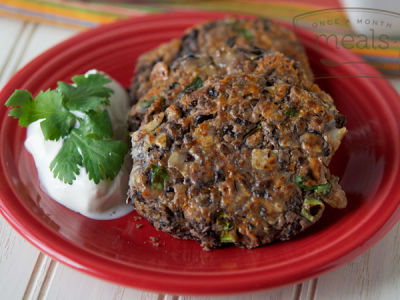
point(40, 20)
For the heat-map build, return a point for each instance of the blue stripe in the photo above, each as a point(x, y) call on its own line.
point(383, 59)
point(47, 16)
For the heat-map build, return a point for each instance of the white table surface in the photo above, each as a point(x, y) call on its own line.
point(26, 273)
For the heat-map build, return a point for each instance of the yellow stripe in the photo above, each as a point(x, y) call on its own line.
point(43, 8)
point(377, 52)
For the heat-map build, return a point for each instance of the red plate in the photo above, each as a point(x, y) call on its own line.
point(367, 162)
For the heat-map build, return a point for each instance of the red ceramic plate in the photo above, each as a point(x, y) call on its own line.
point(367, 162)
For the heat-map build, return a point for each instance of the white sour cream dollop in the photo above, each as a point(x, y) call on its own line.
point(103, 201)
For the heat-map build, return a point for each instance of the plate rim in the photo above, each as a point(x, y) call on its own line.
point(145, 279)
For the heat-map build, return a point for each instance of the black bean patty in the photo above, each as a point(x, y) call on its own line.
point(245, 164)
point(232, 148)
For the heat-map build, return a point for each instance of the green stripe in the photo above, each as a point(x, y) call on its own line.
point(144, 8)
point(236, 6)
point(69, 8)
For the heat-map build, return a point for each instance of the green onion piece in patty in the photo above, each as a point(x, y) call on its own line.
point(312, 209)
point(251, 131)
point(225, 234)
point(227, 238)
point(194, 85)
point(291, 112)
point(159, 176)
point(322, 189)
point(247, 34)
point(147, 103)
point(223, 221)
point(299, 181)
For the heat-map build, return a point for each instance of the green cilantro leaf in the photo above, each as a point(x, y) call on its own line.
point(24, 107)
point(88, 93)
point(102, 159)
point(97, 124)
point(57, 120)
point(65, 166)
point(48, 106)
point(75, 114)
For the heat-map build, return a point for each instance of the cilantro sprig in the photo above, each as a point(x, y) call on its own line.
point(75, 113)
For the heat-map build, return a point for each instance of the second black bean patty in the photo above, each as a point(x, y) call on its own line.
point(225, 45)
point(169, 84)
